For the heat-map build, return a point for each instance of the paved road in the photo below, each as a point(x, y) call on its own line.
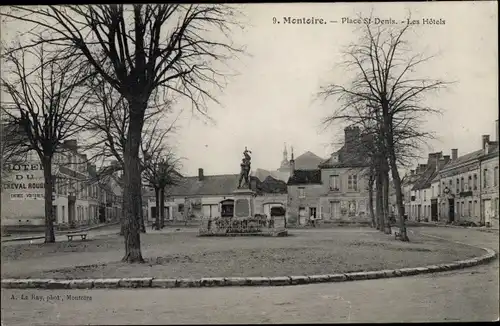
point(466, 295)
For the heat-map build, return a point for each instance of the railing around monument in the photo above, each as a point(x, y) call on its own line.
point(230, 225)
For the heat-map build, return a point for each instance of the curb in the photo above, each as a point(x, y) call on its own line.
point(149, 282)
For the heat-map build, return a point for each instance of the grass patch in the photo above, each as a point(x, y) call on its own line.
point(188, 256)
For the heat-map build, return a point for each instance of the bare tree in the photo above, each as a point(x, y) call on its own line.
point(161, 170)
point(46, 102)
point(138, 49)
point(386, 80)
point(109, 123)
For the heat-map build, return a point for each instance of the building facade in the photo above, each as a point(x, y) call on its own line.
point(489, 184)
point(461, 189)
point(76, 196)
point(336, 190)
point(211, 196)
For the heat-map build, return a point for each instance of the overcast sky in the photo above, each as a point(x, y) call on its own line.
point(271, 101)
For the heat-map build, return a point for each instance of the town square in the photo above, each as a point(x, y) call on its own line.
point(216, 163)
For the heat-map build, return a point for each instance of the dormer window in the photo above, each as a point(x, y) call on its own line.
point(335, 158)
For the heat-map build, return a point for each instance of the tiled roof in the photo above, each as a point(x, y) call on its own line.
point(220, 185)
point(464, 158)
point(346, 159)
point(215, 185)
point(426, 178)
point(271, 185)
point(305, 177)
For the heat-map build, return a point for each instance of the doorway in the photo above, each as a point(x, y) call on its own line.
point(434, 210)
point(487, 212)
point(302, 216)
point(312, 212)
point(335, 209)
point(451, 210)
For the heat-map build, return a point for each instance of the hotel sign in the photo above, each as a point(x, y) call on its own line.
point(26, 181)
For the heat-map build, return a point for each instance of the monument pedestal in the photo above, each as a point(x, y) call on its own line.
point(244, 201)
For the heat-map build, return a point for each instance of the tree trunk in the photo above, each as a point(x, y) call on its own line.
point(157, 213)
point(132, 179)
point(385, 184)
point(371, 182)
point(142, 227)
point(122, 217)
point(162, 208)
point(49, 214)
point(379, 202)
point(399, 199)
point(389, 140)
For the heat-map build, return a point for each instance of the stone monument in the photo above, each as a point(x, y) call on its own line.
point(244, 195)
point(244, 221)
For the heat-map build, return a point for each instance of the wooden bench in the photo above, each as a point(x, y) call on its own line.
point(83, 236)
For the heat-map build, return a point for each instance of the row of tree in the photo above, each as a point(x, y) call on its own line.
point(126, 64)
point(385, 99)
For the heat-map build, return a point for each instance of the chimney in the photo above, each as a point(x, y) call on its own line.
point(71, 144)
point(446, 159)
point(200, 174)
point(486, 139)
point(454, 154)
point(351, 135)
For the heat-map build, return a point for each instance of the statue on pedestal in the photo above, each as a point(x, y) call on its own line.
point(245, 169)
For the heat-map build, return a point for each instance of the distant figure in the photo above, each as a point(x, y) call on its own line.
point(312, 219)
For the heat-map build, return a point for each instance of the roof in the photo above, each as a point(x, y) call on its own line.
point(262, 174)
point(426, 178)
point(464, 159)
point(271, 185)
point(346, 159)
point(308, 161)
point(305, 177)
point(216, 185)
point(222, 185)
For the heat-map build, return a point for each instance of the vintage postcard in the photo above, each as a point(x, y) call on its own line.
point(249, 163)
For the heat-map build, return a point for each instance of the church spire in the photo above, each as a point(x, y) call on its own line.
point(285, 154)
point(291, 158)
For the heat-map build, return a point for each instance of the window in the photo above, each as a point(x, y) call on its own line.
point(485, 178)
point(352, 182)
point(463, 209)
point(63, 212)
point(425, 195)
point(334, 182)
point(495, 176)
point(474, 208)
point(462, 184)
point(475, 181)
point(458, 185)
point(180, 208)
point(469, 183)
point(451, 185)
point(469, 209)
point(302, 191)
